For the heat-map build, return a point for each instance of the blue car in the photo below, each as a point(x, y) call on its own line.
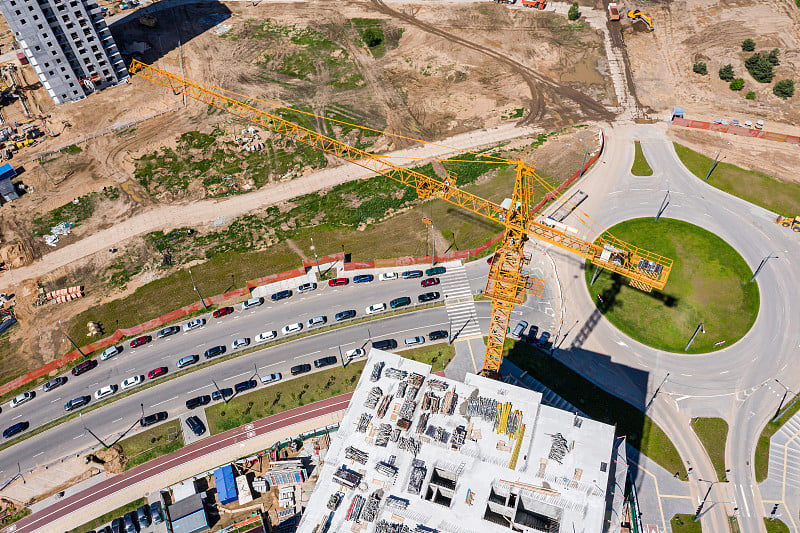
point(16, 428)
point(363, 278)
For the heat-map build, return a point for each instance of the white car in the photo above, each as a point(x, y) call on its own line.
point(108, 390)
point(292, 328)
point(265, 336)
point(22, 398)
point(306, 287)
point(413, 341)
point(194, 324)
point(375, 308)
point(357, 352)
point(271, 378)
point(387, 276)
point(110, 352)
point(251, 303)
point(240, 343)
point(132, 382)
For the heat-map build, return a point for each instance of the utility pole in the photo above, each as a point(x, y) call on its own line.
point(585, 155)
point(700, 327)
point(785, 393)
point(316, 259)
point(713, 165)
point(594, 276)
point(664, 204)
point(703, 501)
point(194, 285)
point(658, 389)
point(764, 262)
point(70, 339)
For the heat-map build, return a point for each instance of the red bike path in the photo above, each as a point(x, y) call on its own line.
point(52, 514)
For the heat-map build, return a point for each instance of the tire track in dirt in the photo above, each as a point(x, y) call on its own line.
point(533, 79)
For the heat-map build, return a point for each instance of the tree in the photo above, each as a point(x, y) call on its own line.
point(737, 84)
point(573, 12)
point(759, 66)
point(751, 95)
point(726, 73)
point(700, 68)
point(784, 89)
point(748, 45)
point(774, 57)
point(372, 37)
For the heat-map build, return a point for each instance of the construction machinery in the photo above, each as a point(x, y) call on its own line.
point(635, 14)
point(537, 4)
point(788, 222)
point(613, 11)
point(507, 283)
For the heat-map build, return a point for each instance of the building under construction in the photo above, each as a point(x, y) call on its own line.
point(419, 452)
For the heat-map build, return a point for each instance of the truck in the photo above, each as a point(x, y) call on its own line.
point(788, 222)
point(538, 4)
point(613, 11)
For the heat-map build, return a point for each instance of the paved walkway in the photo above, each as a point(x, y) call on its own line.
point(782, 485)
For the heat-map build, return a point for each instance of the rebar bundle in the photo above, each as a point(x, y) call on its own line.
point(393, 502)
point(391, 527)
point(335, 500)
point(356, 455)
point(450, 402)
point(422, 423)
point(376, 371)
point(437, 384)
point(370, 511)
point(409, 445)
point(382, 435)
point(363, 422)
point(407, 409)
point(411, 392)
point(374, 395)
point(416, 379)
point(355, 508)
point(417, 476)
point(485, 408)
point(395, 435)
point(401, 389)
point(457, 440)
point(395, 373)
point(386, 401)
point(386, 469)
point(430, 402)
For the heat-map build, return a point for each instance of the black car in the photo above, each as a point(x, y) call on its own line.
point(149, 420)
point(400, 302)
point(411, 274)
point(155, 512)
point(130, 522)
point(300, 369)
point(245, 385)
point(143, 512)
point(280, 295)
point(214, 351)
point(170, 330)
point(80, 401)
point(385, 344)
point(116, 525)
point(221, 393)
point(429, 296)
point(196, 425)
point(198, 401)
point(19, 427)
point(105, 529)
point(344, 315)
point(325, 361)
point(438, 334)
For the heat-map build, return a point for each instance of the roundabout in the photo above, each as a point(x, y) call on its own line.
point(709, 284)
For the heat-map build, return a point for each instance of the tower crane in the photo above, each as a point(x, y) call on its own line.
point(507, 284)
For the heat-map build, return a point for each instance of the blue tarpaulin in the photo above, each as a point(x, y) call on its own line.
point(226, 484)
point(7, 171)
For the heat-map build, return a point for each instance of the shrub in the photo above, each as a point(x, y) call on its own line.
point(748, 45)
point(737, 84)
point(774, 57)
point(751, 95)
point(784, 89)
point(372, 37)
point(726, 73)
point(760, 67)
point(700, 68)
point(573, 12)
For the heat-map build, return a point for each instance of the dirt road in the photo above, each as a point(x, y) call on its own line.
point(206, 211)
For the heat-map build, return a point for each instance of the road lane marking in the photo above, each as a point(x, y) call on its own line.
point(131, 369)
point(79, 436)
point(18, 416)
point(54, 401)
point(117, 420)
point(236, 376)
point(38, 454)
point(300, 356)
point(195, 390)
point(273, 364)
point(165, 401)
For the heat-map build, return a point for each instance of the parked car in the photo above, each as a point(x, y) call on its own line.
point(413, 341)
point(143, 515)
point(386, 344)
point(251, 303)
point(169, 330)
point(344, 315)
point(435, 271)
point(375, 308)
point(19, 427)
point(245, 385)
point(21, 398)
point(141, 341)
point(271, 378)
point(80, 401)
point(317, 321)
point(214, 351)
point(519, 329)
point(300, 369)
point(196, 425)
point(132, 382)
point(194, 324)
point(221, 394)
point(222, 311)
point(155, 418)
point(280, 295)
point(292, 328)
point(110, 352)
point(105, 529)
point(104, 392)
point(116, 525)
point(411, 274)
point(130, 523)
point(363, 278)
point(306, 287)
point(428, 296)
point(532, 333)
point(430, 282)
point(240, 343)
point(197, 401)
point(438, 334)
point(400, 302)
point(85, 366)
point(157, 372)
point(54, 383)
point(325, 361)
point(337, 282)
point(183, 362)
point(544, 339)
point(155, 512)
point(387, 276)
point(354, 353)
point(265, 336)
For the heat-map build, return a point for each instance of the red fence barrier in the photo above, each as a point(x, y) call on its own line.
point(736, 130)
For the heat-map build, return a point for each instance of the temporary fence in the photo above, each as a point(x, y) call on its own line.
point(736, 130)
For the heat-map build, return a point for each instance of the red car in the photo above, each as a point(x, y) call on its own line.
point(429, 282)
point(222, 311)
point(140, 341)
point(156, 372)
point(337, 282)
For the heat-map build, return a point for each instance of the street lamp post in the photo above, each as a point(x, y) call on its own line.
point(316, 259)
point(700, 327)
point(764, 262)
point(713, 165)
point(785, 393)
point(194, 285)
point(70, 339)
point(703, 501)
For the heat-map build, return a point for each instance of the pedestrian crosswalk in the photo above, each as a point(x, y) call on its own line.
point(460, 304)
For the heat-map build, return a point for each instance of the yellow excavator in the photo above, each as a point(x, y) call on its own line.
point(638, 15)
point(788, 222)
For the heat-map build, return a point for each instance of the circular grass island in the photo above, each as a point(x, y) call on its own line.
point(709, 284)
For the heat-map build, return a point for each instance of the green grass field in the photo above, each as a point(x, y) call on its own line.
point(640, 165)
point(151, 443)
point(775, 525)
point(642, 433)
point(108, 517)
point(709, 284)
point(713, 433)
point(755, 187)
point(761, 459)
point(684, 523)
